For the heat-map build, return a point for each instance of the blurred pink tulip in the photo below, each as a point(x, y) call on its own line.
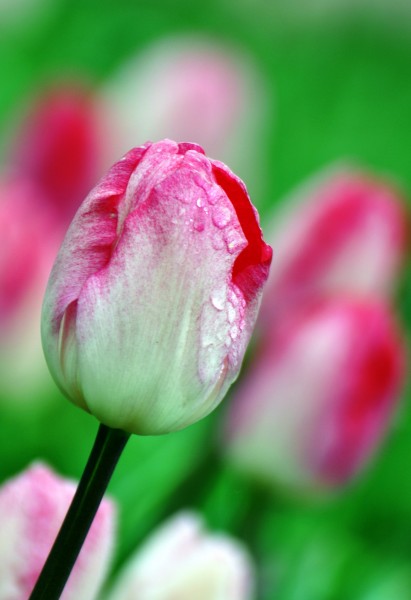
point(30, 238)
point(59, 147)
point(24, 235)
point(51, 168)
point(183, 561)
point(319, 396)
point(194, 89)
point(347, 234)
point(32, 508)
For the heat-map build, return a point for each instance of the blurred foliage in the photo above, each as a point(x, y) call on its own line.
point(342, 90)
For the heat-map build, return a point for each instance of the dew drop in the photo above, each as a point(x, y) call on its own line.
point(234, 332)
point(231, 313)
point(217, 242)
point(199, 220)
point(218, 299)
point(221, 216)
point(199, 225)
point(234, 241)
point(200, 202)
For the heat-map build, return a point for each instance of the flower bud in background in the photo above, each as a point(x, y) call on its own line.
point(196, 89)
point(30, 242)
point(53, 163)
point(319, 396)
point(32, 508)
point(59, 147)
point(155, 291)
point(182, 560)
point(347, 234)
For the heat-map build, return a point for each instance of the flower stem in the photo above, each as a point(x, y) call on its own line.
point(104, 456)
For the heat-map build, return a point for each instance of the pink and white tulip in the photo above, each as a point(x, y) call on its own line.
point(347, 233)
point(32, 508)
point(319, 396)
point(155, 291)
point(182, 560)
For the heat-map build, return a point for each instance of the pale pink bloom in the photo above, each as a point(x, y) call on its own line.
point(29, 240)
point(190, 87)
point(319, 395)
point(345, 233)
point(59, 146)
point(32, 508)
point(155, 291)
point(183, 561)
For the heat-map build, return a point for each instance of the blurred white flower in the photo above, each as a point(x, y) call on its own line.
point(183, 561)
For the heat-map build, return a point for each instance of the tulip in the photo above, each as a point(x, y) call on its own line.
point(183, 561)
point(347, 234)
point(59, 147)
point(32, 507)
point(319, 396)
point(29, 241)
point(155, 291)
point(189, 87)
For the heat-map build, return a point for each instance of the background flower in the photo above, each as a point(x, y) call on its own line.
point(319, 395)
point(51, 164)
point(193, 563)
point(343, 232)
point(189, 87)
point(32, 508)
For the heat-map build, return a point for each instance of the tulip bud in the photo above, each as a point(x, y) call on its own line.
point(58, 147)
point(347, 234)
point(192, 564)
point(32, 508)
point(318, 398)
point(189, 87)
point(155, 291)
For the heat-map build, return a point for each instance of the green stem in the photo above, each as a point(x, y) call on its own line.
point(104, 456)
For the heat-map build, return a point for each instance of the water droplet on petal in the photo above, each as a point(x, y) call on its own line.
point(234, 332)
point(199, 225)
point(231, 312)
point(234, 241)
point(199, 220)
point(218, 242)
point(221, 216)
point(218, 299)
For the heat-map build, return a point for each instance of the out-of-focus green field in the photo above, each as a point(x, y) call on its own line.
point(340, 89)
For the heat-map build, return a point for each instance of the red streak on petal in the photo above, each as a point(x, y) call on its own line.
point(252, 265)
